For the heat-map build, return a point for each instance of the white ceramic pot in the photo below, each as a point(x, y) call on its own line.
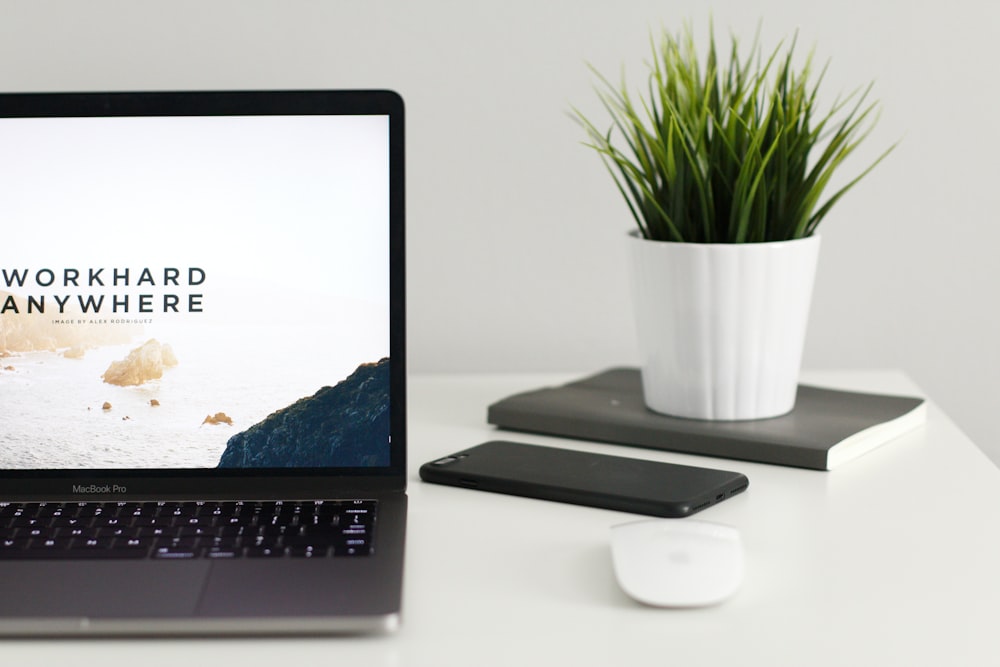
point(721, 326)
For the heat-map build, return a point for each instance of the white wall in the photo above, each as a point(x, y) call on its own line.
point(515, 231)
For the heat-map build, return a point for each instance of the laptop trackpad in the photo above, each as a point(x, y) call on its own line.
point(102, 589)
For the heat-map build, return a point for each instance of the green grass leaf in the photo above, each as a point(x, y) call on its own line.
point(728, 152)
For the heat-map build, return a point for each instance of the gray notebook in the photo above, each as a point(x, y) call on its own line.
point(826, 428)
point(202, 374)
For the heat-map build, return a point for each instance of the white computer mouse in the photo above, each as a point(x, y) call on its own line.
point(677, 562)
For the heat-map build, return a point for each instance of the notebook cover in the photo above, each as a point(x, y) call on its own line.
point(827, 427)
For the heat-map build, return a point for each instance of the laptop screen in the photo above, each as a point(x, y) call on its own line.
point(195, 289)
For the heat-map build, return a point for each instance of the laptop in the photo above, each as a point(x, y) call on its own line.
point(202, 363)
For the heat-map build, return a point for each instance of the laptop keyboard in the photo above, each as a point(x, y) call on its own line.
point(183, 530)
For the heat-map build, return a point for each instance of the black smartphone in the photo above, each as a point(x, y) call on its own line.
point(582, 478)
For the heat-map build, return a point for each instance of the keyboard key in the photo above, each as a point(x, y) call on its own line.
point(307, 552)
point(176, 553)
point(264, 552)
point(223, 552)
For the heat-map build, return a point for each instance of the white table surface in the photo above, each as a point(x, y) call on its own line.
point(892, 559)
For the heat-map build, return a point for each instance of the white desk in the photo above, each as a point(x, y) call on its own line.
point(892, 559)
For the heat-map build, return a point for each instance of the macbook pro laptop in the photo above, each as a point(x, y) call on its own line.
point(202, 377)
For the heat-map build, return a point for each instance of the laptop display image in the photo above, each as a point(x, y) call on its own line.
point(202, 373)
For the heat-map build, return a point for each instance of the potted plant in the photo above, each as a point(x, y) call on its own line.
point(723, 166)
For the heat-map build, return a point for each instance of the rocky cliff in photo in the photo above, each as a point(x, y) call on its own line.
point(142, 364)
point(344, 425)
